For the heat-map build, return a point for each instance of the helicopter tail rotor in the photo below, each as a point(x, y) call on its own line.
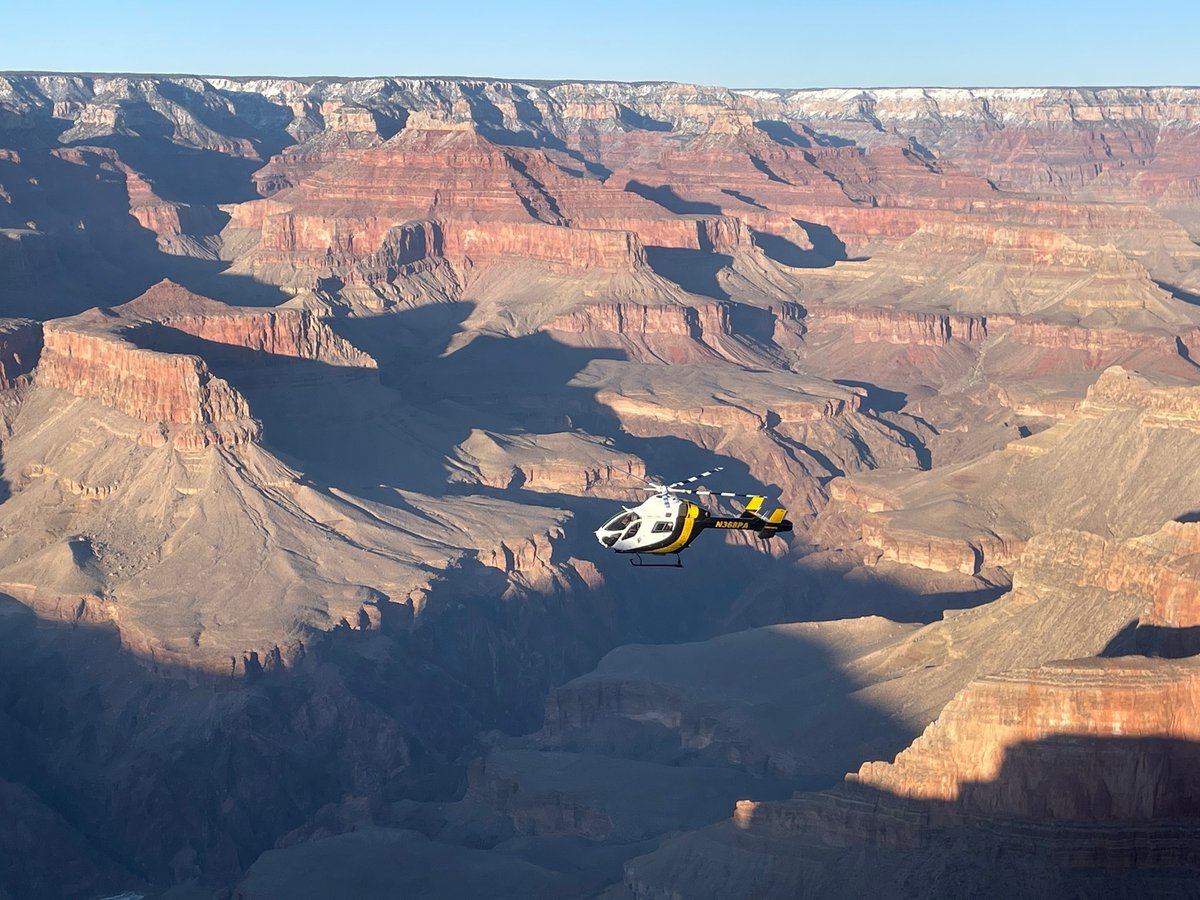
point(774, 523)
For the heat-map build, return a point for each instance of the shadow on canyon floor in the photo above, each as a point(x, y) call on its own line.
point(666, 197)
point(882, 405)
point(491, 124)
point(1179, 294)
point(696, 271)
point(1163, 641)
point(168, 775)
point(774, 703)
point(398, 427)
point(369, 433)
point(846, 590)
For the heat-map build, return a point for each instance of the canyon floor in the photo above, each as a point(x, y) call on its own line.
point(313, 391)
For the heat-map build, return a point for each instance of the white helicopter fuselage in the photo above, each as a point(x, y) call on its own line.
point(661, 524)
point(664, 524)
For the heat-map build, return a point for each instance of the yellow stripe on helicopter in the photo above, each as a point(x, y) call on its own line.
point(689, 524)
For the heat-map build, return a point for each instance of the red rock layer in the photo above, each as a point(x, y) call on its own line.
point(563, 250)
point(1094, 761)
point(1091, 763)
point(632, 319)
point(895, 326)
point(177, 392)
point(280, 332)
point(96, 355)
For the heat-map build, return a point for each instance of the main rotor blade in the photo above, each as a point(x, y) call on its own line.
point(675, 490)
point(696, 478)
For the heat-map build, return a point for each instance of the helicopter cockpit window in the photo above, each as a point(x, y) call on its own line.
point(620, 522)
point(632, 529)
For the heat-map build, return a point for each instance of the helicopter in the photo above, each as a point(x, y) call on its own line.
point(664, 524)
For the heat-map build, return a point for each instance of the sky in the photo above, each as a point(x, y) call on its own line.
point(738, 43)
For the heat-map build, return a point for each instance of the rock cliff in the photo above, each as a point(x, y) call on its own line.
point(159, 389)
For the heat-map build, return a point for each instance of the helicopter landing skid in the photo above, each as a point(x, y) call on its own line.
point(638, 563)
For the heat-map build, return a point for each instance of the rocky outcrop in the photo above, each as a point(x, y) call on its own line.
point(293, 333)
point(939, 553)
point(962, 518)
point(1104, 346)
point(551, 463)
point(529, 563)
point(111, 356)
point(633, 320)
point(986, 752)
point(897, 326)
point(1167, 404)
point(183, 402)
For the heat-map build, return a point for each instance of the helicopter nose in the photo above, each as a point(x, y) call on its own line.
point(606, 538)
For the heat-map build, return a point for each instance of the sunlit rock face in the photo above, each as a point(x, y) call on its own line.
point(313, 391)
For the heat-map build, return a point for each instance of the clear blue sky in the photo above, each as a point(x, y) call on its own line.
point(741, 43)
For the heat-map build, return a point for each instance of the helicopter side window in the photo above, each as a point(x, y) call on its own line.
point(662, 527)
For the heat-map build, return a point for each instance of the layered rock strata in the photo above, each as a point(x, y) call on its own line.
point(176, 396)
point(936, 522)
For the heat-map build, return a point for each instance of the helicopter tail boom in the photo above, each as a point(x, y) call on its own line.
point(752, 520)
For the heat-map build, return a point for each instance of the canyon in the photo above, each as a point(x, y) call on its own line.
point(313, 390)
